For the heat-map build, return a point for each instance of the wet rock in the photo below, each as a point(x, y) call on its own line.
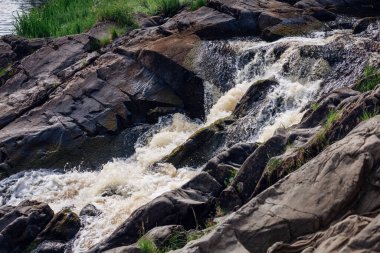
point(306, 143)
point(187, 206)
point(253, 97)
point(363, 24)
point(321, 14)
point(100, 101)
point(201, 146)
point(294, 206)
point(174, 53)
point(252, 168)
point(312, 118)
point(89, 210)
point(63, 227)
point(225, 165)
point(20, 225)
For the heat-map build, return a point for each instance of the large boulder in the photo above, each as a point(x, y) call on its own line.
point(21, 224)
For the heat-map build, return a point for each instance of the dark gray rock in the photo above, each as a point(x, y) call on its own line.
point(20, 225)
point(63, 227)
point(89, 210)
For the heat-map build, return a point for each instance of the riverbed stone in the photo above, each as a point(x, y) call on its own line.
point(21, 224)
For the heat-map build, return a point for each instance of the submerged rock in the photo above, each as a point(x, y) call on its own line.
point(90, 210)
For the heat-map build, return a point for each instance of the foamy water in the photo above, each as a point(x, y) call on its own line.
point(125, 184)
point(118, 189)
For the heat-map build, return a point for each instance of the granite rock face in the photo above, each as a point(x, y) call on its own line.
point(295, 206)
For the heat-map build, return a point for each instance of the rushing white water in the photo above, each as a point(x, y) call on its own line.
point(123, 185)
point(117, 190)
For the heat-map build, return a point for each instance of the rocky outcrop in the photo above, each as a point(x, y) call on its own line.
point(353, 233)
point(32, 226)
point(294, 206)
point(20, 225)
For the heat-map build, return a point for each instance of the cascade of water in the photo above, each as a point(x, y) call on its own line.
point(123, 185)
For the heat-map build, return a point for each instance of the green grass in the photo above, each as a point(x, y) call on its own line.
point(196, 4)
point(314, 107)
point(369, 114)
point(104, 41)
point(57, 18)
point(273, 164)
point(147, 246)
point(3, 71)
point(63, 17)
point(194, 235)
point(176, 241)
point(370, 79)
point(231, 177)
point(332, 117)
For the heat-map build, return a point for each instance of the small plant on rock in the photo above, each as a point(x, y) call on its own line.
point(314, 107)
point(370, 79)
point(176, 241)
point(273, 164)
point(147, 246)
point(369, 114)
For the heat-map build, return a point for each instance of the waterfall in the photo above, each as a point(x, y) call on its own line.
point(124, 184)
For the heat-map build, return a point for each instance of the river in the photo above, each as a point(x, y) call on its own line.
point(9, 10)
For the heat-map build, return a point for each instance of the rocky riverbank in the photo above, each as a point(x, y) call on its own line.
point(309, 186)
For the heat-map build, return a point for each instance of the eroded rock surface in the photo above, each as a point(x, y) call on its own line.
point(294, 206)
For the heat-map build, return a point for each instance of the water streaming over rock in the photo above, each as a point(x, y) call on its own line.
point(125, 184)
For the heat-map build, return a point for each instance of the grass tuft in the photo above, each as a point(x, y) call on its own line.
point(369, 114)
point(169, 7)
point(314, 107)
point(196, 4)
point(273, 164)
point(370, 79)
point(176, 241)
point(147, 246)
